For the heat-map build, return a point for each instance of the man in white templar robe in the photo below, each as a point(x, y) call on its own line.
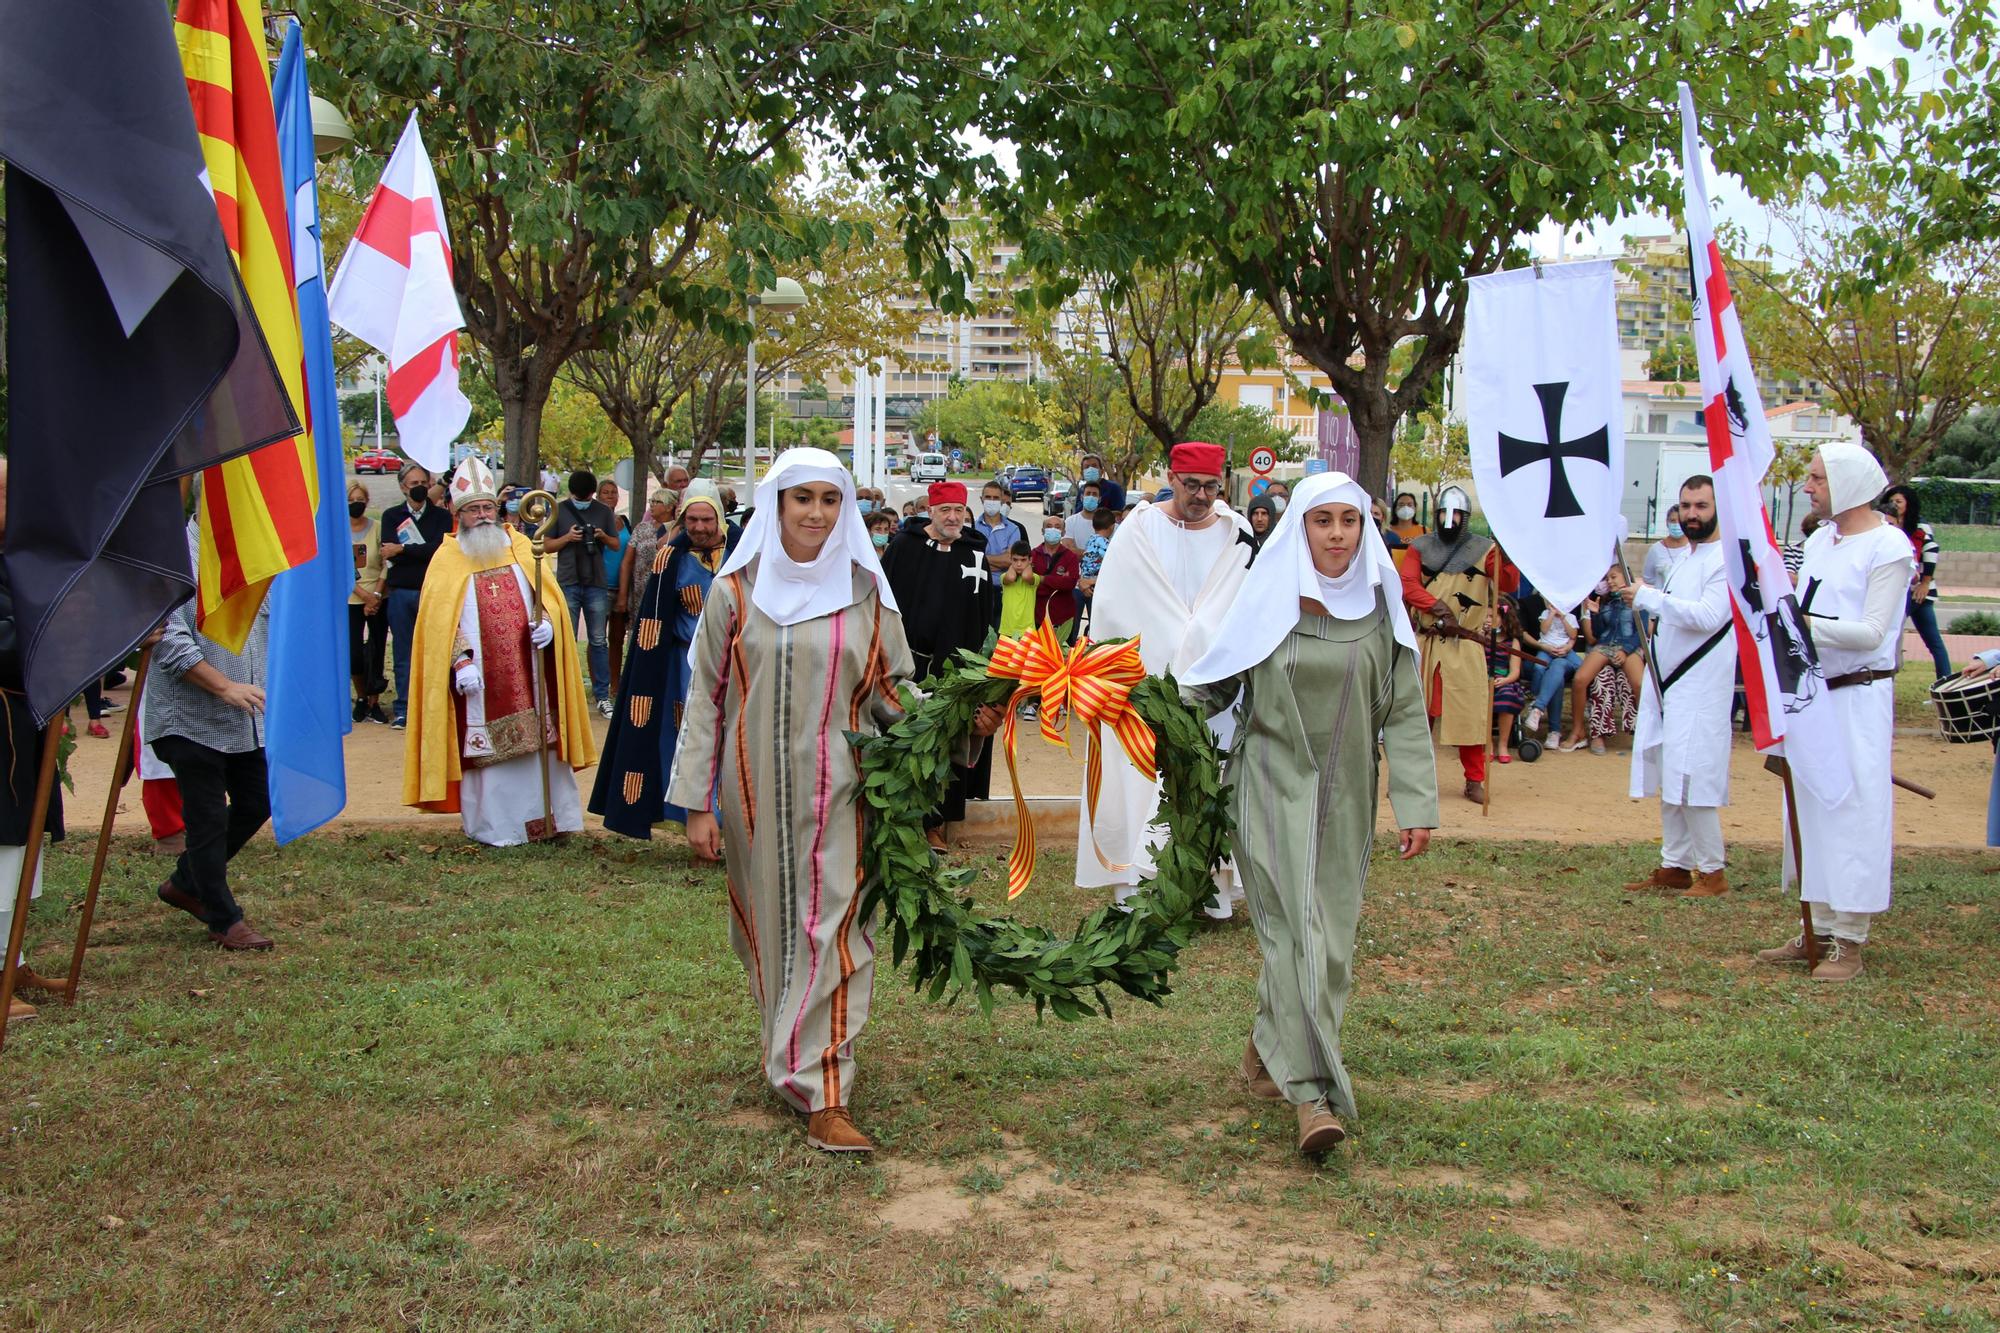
point(1170, 573)
point(1853, 588)
point(480, 662)
point(1680, 747)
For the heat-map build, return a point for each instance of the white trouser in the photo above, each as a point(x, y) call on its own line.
point(1849, 926)
point(1690, 837)
point(10, 884)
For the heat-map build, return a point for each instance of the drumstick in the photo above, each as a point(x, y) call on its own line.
point(1916, 787)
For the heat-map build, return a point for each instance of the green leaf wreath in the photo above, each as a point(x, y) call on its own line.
point(955, 946)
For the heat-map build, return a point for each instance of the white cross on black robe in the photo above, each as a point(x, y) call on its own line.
point(947, 601)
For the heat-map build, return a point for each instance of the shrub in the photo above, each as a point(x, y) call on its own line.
point(1975, 622)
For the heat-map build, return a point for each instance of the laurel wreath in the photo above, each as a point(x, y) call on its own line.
point(955, 947)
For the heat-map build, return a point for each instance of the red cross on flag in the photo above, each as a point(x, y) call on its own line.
point(394, 292)
point(1791, 711)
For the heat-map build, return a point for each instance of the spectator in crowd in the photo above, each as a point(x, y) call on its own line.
point(678, 478)
point(1279, 494)
point(1509, 693)
point(910, 510)
point(1110, 493)
point(1081, 523)
point(1794, 553)
point(881, 527)
point(582, 525)
point(1263, 515)
point(411, 532)
point(617, 538)
point(441, 497)
point(1017, 591)
point(205, 718)
point(1104, 525)
point(1612, 633)
point(1057, 570)
point(1901, 505)
point(1406, 527)
point(1665, 553)
point(1380, 513)
point(1000, 533)
point(367, 623)
point(656, 529)
point(1556, 661)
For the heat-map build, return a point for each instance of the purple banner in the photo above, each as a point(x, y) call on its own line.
point(1339, 446)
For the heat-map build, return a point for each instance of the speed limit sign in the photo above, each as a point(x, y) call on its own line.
point(1262, 460)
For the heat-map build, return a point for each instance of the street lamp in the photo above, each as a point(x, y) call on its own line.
point(331, 132)
point(784, 295)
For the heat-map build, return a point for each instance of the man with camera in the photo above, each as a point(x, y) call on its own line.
point(577, 541)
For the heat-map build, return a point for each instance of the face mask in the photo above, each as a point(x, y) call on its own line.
point(513, 506)
point(881, 539)
point(1278, 503)
point(1052, 535)
point(420, 495)
point(866, 506)
point(356, 508)
point(1674, 530)
point(1602, 589)
point(1089, 504)
point(1092, 474)
point(1404, 513)
point(991, 507)
point(580, 504)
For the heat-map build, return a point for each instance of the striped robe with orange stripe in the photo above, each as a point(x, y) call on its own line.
point(762, 745)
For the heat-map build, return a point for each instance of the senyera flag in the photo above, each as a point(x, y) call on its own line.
point(1545, 416)
point(393, 291)
point(256, 514)
point(132, 346)
point(1783, 686)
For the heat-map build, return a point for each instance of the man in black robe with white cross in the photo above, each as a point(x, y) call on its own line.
point(938, 573)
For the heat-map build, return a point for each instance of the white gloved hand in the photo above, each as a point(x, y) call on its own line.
point(542, 633)
point(468, 679)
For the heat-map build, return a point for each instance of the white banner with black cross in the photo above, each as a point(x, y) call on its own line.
point(1544, 410)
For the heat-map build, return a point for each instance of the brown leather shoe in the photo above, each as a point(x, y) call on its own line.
point(1319, 1128)
point(1475, 792)
point(1707, 884)
point(180, 898)
point(1259, 1078)
point(239, 936)
point(26, 978)
point(20, 1011)
point(1671, 878)
point(1841, 962)
point(833, 1130)
point(935, 837)
point(1794, 950)
point(170, 846)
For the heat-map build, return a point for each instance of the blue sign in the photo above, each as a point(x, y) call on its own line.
point(1259, 486)
point(1315, 465)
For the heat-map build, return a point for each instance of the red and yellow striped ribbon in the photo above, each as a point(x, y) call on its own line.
point(1094, 683)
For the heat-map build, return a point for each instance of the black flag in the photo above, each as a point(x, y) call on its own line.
point(134, 358)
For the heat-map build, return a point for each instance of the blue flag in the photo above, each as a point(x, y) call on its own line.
point(308, 710)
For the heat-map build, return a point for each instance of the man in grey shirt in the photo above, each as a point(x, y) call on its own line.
point(204, 718)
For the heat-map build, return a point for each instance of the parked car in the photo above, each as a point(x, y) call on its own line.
point(378, 460)
point(929, 468)
point(1061, 496)
point(1028, 483)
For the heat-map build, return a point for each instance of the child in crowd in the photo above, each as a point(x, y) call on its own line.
point(1509, 694)
point(1017, 592)
point(1103, 524)
point(881, 527)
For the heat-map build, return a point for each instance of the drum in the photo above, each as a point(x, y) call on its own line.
point(1967, 709)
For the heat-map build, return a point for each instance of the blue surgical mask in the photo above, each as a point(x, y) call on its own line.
point(580, 504)
point(1089, 503)
point(866, 506)
point(1092, 474)
point(1674, 530)
point(881, 539)
point(1052, 535)
point(513, 506)
point(991, 507)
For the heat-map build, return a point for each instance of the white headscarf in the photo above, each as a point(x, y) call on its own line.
point(786, 590)
point(1267, 605)
point(1853, 477)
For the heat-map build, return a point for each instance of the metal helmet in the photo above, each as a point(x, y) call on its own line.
point(1454, 499)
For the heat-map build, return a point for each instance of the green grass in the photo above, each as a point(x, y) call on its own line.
point(519, 1089)
point(1968, 536)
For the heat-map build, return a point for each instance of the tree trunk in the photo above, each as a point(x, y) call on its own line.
point(643, 449)
point(523, 394)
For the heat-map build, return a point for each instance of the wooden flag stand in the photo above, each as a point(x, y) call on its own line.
point(121, 773)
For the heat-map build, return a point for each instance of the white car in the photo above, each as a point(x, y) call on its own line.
point(929, 468)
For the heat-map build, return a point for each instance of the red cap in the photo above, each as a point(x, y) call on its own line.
point(1198, 458)
point(947, 493)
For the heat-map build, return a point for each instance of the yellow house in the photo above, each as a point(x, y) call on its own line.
point(1276, 390)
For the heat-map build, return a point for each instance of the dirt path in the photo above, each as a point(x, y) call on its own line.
point(1561, 798)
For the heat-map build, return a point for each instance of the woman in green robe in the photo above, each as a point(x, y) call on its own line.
point(1320, 649)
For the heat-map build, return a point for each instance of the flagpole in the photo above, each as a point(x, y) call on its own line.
point(31, 859)
point(121, 773)
point(539, 508)
point(1808, 941)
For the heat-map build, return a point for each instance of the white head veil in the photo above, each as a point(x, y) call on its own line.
point(1853, 477)
point(1267, 605)
point(786, 590)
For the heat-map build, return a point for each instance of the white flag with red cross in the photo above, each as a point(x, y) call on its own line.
point(394, 292)
point(1791, 711)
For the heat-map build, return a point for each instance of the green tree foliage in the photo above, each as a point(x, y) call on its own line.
point(1971, 448)
point(1351, 165)
point(1430, 451)
point(1673, 361)
point(1239, 430)
point(993, 421)
point(586, 150)
point(1905, 357)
